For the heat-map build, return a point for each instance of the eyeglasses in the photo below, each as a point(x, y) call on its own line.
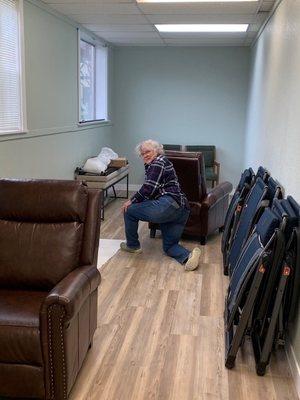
point(144, 153)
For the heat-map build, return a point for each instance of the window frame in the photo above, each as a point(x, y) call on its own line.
point(22, 83)
point(96, 43)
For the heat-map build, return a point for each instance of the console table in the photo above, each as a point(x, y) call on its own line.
point(105, 182)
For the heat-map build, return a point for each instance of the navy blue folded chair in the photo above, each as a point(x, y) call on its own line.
point(283, 211)
point(237, 201)
point(262, 173)
point(240, 198)
point(252, 252)
point(274, 189)
point(279, 295)
point(292, 260)
point(256, 196)
point(255, 259)
point(264, 287)
point(260, 196)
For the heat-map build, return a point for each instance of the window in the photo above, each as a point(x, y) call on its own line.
point(93, 58)
point(12, 103)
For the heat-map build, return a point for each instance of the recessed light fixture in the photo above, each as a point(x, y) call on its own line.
point(202, 27)
point(195, 1)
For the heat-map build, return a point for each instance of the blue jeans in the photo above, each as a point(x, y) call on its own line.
point(164, 211)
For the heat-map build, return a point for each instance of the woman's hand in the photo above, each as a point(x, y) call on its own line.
point(126, 205)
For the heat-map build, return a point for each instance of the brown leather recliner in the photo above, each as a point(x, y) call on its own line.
point(49, 235)
point(208, 209)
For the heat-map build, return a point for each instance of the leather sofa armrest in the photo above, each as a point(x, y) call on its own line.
point(217, 193)
point(73, 289)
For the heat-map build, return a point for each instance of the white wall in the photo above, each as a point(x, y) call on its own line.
point(273, 128)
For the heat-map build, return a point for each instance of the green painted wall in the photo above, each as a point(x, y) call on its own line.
point(182, 95)
point(54, 145)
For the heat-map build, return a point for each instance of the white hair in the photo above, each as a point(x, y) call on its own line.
point(152, 144)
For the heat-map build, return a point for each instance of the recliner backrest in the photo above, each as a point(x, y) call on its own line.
point(42, 228)
point(189, 168)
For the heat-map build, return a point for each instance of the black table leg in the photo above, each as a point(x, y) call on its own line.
point(127, 186)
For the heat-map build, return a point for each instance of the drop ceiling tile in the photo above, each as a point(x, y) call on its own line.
point(251, 34)
point(86, 9)
point(267, 5)
point(115, 36)
point(260, 17)
point(119, 28)
point(199, 8)
point(200, 19)
point(50, 2)
point(139, 42)
point(253, 27)
point(110, 19)
point(122, 22)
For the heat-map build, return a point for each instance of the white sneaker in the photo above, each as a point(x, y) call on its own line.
point(193, 260)
point(124, 247)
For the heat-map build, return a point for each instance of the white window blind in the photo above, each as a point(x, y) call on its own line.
point(11, 116)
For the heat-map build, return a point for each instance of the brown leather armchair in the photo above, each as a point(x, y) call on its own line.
point(49, 235)
point(208, 209)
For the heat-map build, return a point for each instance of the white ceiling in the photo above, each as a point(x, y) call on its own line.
point(128, 23)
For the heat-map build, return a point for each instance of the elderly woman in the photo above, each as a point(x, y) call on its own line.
point(159, 200)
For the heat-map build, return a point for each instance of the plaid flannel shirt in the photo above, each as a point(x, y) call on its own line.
point(160, 179)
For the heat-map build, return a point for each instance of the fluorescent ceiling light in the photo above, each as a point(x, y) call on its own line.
point(202, 27)
point(194, 1)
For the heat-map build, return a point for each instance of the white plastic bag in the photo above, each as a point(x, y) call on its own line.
point(99, 164)
point(94, 165)
point(108, 153)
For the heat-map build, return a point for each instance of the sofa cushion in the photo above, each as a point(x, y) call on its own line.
point(38, 256)
point(43, 201)
point(19, 327)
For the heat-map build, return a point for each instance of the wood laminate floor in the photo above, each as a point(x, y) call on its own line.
point(160, 331)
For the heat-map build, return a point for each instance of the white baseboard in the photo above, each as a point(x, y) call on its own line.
point(294, 366)
point(132, 188)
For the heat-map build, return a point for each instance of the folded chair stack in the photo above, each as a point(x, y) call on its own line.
point(261, 255)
